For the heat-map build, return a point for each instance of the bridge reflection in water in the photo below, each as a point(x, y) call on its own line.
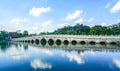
point(71, 46)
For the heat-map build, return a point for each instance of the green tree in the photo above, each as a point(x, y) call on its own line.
point(25, 33)
point(3, 35)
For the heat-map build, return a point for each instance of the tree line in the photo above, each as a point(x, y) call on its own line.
point(4, 35)
point(80, 29)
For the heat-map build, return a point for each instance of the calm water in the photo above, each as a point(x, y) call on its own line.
point(19, 57)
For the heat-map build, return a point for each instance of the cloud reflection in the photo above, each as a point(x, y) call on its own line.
point(19, 55)
point(40, 64)
point(75, 57)
point(44, 51)
point(117, 62)
point(47, 51)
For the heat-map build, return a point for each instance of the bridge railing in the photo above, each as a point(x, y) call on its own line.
point(74, 36)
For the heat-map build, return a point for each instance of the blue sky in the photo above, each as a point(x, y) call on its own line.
point(47, 15)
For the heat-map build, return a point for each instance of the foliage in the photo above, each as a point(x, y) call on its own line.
point(3, 35)
point(25, 33)
point(80, 29)
point(6, 36)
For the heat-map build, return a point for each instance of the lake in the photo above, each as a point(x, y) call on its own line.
point(28, 57)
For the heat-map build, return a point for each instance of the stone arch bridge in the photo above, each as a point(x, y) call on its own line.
point(69, 39)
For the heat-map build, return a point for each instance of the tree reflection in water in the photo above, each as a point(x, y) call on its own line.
point(4, 46)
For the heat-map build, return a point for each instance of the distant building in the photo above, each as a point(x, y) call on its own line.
point(12, 34)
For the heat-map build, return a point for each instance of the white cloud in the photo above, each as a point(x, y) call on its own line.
point(34, 28)
point(115, 8)
point(81, 20)
point(104, 24)
point(18, 21)
point(40, 64)
point(117, 62)
point(118, 20)
point(38, 11)
point(108, 5)
point(47, 24)
point(62, 25)
point(73, 16)
point(42, 27)
point(91, 19)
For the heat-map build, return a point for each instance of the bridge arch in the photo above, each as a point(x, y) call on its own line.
point(66, 42)
point(37, 41)
point(32, 41)
point(73, 42)
point(102, 42)
point(58, 42)
point(43, 41)
point(113, 43)
point(25, 41)
point(50, 41)
point(28, 41)
point(82, 42)
point(92, 42)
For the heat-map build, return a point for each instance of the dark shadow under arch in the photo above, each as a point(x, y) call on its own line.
point(32, 41)
point(58, 42)
point(25, 41)
point(66, 42)
point(43, 41)
point(28, 41)
point(102, 43)
point(92, 42)
point(82, 42)
point(37, 41)
point(74, 42)
point(113, 43)
point(50, 41)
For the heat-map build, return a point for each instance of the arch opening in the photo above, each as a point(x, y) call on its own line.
point(25, 41)
point(58, 42)
point(66, 42)
point(74, 42)
point(37, 41)
point(82, 42)
point(102, 42)
point(50, 41)
point(113, 43)
point(32, 41)
point(92, 42)
point(28, 41)
point(43, 41)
